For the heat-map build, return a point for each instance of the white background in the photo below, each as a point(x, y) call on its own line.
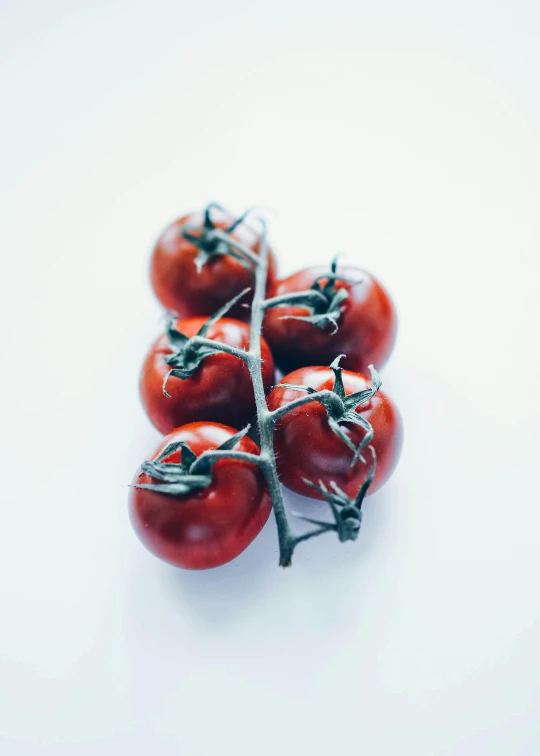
point(405, 135)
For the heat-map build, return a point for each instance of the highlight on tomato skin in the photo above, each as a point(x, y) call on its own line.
point(178, 284)
point(307, 448)
point(366, 330)
point(209, 526)
point(220, 389)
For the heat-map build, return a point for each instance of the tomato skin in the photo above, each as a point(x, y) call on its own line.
point(210, 526)
point(306, 447)
point(180, 287)
point(220, 389)
point(367, 326)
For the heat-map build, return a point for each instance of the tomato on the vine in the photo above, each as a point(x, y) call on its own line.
point(306, 447)
point(193, 276)
point(219, 389)
point(361, 325)
point(208, 525)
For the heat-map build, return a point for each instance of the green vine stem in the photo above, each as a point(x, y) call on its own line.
point(265, 420)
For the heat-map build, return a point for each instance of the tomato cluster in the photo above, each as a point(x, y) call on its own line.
point(208, 489)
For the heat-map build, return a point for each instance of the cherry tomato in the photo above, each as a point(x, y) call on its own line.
point(366, 326)
point(306, 446)
point(208, 526)
point(178, 284)
point(220, 389)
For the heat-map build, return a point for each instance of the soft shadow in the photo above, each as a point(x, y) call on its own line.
point(223, 592)
point(329, 554)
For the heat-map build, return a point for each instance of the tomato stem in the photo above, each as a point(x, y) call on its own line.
point(217, 346)
point(223, 236)
point(312, 533)
point(324, 302)
point(311, 297)
point(265, 420)
point(209, 458)
point(327, 398)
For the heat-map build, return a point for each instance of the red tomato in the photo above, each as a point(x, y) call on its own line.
point(366, 332)
point(209, 526)
point(220, 389)
point(178, 284)
point(306, 447)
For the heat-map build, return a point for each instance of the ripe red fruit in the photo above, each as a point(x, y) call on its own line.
point(307, 448)
point(208, 526)
point(178, 284)
point(366, 323)
point(220, 389)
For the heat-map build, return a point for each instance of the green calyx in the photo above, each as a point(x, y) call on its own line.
point(347, 512)
point(350, 404)
point(344, 410)
point(191, 473)
point(188, 353)
point(213, 242)
point(325, 309)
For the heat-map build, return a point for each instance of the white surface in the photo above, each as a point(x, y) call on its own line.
point(403, 135)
